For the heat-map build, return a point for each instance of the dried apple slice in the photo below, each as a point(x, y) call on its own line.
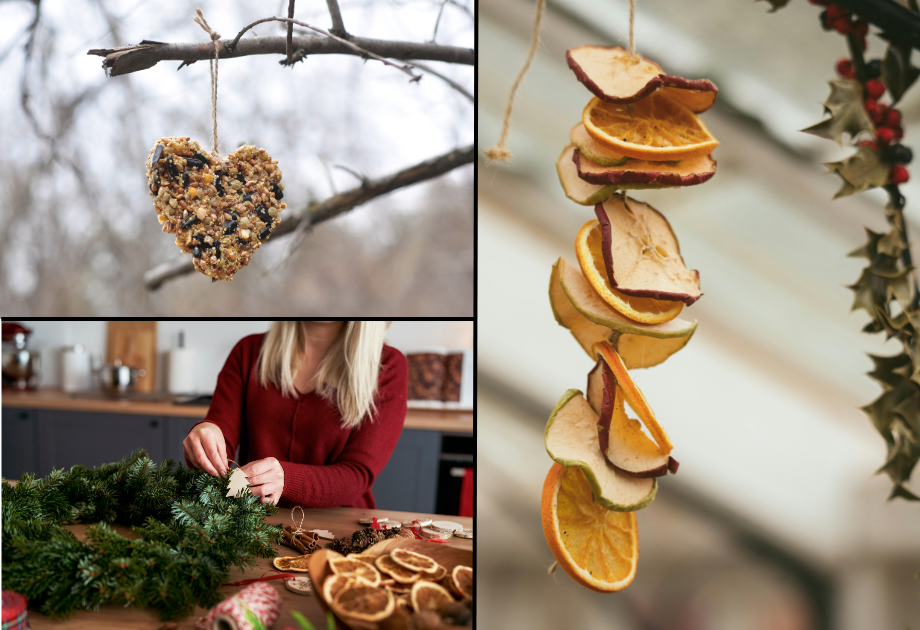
point(689, 172)
point(579, 308)
point(641, 252)
point(621, 439)
point(589, 248)
point(613, 76)
point(574, 187)
point(571, 440)
point(592, 149)
point(634, 396)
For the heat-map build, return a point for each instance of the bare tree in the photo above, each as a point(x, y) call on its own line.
point(123, 256)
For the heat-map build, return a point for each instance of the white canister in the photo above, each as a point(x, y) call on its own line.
point(77, 369)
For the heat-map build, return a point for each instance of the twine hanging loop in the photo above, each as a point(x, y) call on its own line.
point(215, 37)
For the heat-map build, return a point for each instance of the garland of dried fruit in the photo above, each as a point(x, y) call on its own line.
point(190, 534)
point(621, 303)
point(887, 287)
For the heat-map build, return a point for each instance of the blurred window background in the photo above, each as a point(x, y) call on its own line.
point(776, 519)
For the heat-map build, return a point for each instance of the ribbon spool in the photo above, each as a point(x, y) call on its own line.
point(15, 615)
point(262, 599)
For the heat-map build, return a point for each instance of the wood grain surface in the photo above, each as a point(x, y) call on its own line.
point(454, 421)
point(340, 521)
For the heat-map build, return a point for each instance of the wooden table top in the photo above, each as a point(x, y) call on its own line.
point(426, 419)
point(339, 521)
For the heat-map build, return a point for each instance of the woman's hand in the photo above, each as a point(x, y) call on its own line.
point(266, 479)
point(206, 450)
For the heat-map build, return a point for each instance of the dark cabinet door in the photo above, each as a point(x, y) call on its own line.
point(177, 428)
point(20, 443)
point(68, 438)
point(409, 481)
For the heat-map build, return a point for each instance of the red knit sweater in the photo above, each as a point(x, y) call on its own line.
point(324, 464)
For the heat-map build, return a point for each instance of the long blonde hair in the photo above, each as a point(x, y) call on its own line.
point(347, 374)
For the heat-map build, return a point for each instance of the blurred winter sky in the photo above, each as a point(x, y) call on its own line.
point(77, 224)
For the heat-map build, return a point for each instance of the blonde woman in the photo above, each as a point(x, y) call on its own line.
point(315, 407)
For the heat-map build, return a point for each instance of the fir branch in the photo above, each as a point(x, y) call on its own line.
point(184, 553)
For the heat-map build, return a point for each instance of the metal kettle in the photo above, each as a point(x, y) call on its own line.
point(21, 367)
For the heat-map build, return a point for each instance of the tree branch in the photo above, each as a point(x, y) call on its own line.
point(446, 79)
point(334, 206)
point(290, 33)
point(361, 51)
point(338, 27)
point(145, 55)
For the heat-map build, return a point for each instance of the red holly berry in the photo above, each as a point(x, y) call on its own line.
point(898, 175)
point(845, 68)
point(871, 106)
point(868, 143)
point(834, 12)
point(878, 117)
point(861, 28)
point(884, 134)
point(897, 131)
point(892, 118)
point(875, 88)
point(842, 25)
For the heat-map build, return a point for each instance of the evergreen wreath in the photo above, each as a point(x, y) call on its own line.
point(190, 534)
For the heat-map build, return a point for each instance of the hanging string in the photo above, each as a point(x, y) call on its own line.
point(215, 37)
point(498, 150)
point(299, 529)
point(632, 18)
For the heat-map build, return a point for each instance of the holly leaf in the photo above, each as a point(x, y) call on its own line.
point(848, 115)
point(892, 243)
point(885, 371)
point(238, 483)
point(777, 4)
point(897, 71)
point(869, 290)
point(870, 248)
point(904, 493)
point(861, 171)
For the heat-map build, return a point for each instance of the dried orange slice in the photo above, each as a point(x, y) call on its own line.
point(414, 561)
point(438, 575)
point(429, 596)
point(333, 584)
point(398, 572)
point(298, 564)
point(634, 396)
point(355, 568)
point(597, 547)
point(461, 579)
point(589, 250)
point(655, 128)
point(357, 600)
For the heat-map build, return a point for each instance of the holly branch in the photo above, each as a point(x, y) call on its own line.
point(887, 288)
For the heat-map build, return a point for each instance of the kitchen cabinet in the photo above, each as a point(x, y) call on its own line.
point(37, 440)
point(20, 442)
point(409, 482)
point(67, 438)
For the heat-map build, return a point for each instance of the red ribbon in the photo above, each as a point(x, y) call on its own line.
point(280, 576)
point(415, 532)
point(375, 524)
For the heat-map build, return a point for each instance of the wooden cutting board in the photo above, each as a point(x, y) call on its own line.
point(135, 343)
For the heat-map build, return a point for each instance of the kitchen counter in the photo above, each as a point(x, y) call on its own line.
point(424, 419)
point(340, 521)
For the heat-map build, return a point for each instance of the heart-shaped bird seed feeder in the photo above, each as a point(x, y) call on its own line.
point(220, 210)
